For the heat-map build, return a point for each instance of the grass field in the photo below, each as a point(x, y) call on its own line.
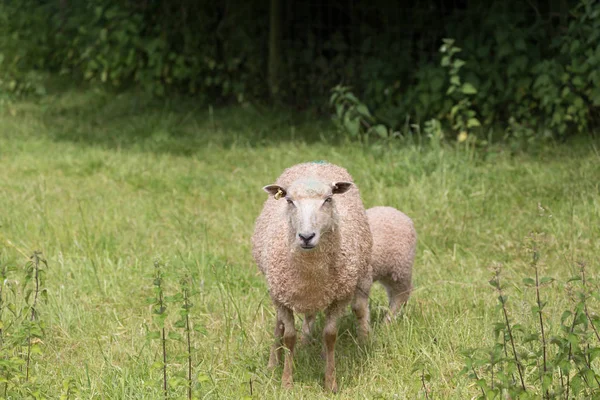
point(103, 185)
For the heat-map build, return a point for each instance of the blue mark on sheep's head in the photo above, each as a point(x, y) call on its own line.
point(310, 209)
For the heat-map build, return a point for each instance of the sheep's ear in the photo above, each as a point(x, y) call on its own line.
point(341, 187)
point(275, 190)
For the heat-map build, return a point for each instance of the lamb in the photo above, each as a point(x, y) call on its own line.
point(313, 248)
point(394, 245)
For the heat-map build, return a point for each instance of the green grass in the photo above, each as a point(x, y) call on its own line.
point(103, 185)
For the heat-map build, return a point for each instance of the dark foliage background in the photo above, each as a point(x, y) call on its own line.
point(533, 66)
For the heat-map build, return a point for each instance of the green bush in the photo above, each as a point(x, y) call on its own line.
point(528, 68)
point(24, 48)
point(163, 47)
point(520, 74)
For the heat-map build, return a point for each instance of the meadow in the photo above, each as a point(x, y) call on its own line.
point(105, 185)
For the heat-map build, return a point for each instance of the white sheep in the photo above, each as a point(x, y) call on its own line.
point(312, 242)
point(393, 254)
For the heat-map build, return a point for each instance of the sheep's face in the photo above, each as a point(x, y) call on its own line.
point(310, 209)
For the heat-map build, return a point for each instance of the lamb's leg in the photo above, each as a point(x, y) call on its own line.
point(398, 294)
point(332, 314)
point(307, 326)
point(275, 356)
point(360, 306)
point(289, 341)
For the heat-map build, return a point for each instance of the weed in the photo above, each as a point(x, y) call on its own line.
point(159, 311)
point(184, 323)
point(568, 370)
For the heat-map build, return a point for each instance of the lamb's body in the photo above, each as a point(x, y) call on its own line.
point(394, 245)
point(324, 278)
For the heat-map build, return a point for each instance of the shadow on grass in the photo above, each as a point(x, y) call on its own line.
point(179, 126)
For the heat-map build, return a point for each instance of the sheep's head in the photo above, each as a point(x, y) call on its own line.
point(310, 208)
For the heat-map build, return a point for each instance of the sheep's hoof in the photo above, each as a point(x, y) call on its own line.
point(363, 334)
point(287, 382)
point(331, 385)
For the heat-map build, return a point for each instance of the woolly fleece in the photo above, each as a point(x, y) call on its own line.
point(307, 282)
point(394, 246)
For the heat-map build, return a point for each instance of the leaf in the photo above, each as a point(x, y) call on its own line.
point(363, 110)
point(381, 131)
point(468, 88)
point(565, 315)
point(529, 282)
point(545, 280)
point(159, 319)
point(200, 329)
point(175, 336)
point(473, 122)
point(151, 300)
point(458, 63)
point(156, 365)
point(352, 125)
point(153, 335)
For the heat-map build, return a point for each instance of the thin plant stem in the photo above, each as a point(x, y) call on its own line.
point(164, 351)
point(36, 259)
point(424, 386)
point(189, 341)
point(571, 351)
point(477, 378)
point(492, 370)
point(539, 304)
point(510, 335)
point(161, 310)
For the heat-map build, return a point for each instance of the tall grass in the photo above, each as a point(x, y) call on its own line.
point(104, 184)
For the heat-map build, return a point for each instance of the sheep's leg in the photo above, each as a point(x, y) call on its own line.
point(360, 306)
point(275, 356)
point(289, 341)
point(307, 326)
point(329, 338)
point(398, 294)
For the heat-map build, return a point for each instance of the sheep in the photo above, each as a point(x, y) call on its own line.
point(393, 254)
point(313, 248)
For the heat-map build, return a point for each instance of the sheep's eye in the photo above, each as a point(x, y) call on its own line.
point(328, 200)
point(290, 201)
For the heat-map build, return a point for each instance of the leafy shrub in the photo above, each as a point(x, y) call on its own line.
point(162, 47)
point(24, 48)
point(533, 72)
point(515, 71)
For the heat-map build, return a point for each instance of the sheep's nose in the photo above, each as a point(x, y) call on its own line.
point(306, 236)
